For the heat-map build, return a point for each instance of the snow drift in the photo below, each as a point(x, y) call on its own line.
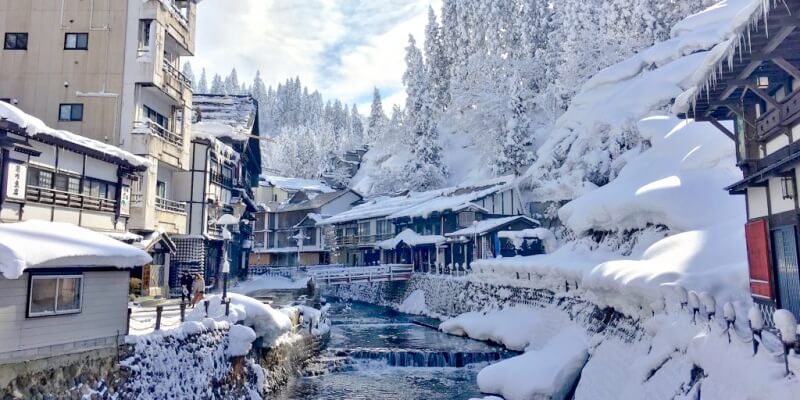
point(267, 323)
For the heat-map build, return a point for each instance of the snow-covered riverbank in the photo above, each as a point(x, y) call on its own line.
point(655, 357)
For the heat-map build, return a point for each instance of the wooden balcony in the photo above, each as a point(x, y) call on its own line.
point(362, 240)
point(784, 115)
point(69, 199)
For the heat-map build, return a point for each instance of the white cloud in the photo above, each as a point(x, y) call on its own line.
point(343, 48)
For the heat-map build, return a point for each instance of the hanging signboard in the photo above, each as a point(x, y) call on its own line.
point(125, 200)
point(17, 179)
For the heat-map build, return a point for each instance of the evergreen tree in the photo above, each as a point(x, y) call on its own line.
point(438, 72)
point(377, 119)
point(425, 170)
point(259, 93)
point(202, 85)
point(231, 83)
point(189, 74)
point(357, 125)
point(217, 86)
point(514, 143)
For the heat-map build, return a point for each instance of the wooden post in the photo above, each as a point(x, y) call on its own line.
point(159, 310)
point(128, 327)
point(227, 307)
point(206, 304)
point(183, 311)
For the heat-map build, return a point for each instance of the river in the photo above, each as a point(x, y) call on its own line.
point(378, 353)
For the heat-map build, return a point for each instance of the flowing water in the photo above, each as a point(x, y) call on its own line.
point(377, 353)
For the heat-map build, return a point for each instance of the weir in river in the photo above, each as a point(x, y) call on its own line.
point(378, 353)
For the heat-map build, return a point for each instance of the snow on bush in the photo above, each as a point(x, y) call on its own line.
point(786, 324)
point(546, 373)
point(269, 324)
point(240, 340)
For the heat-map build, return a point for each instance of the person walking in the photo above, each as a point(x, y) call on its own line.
point(186, 287)
point(199, 288)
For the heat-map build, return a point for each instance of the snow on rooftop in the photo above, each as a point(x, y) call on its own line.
point(296, 184)
point(487, 225)
point(40, 244)
point(36, 127)
point(422, 204)
point(410, 238)
point(224, 116)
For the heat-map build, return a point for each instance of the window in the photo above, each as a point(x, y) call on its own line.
point(16, 41)
point(156, 117)
point(99, 189)
point(54, 294)
point(161, 189)
point(158, 259)
point(40, 178)
point(144, 34)
point(363, 228)
point(385, 227)
point(74, 185)
point(61, 182)
point(70, 112)
point(76, 41)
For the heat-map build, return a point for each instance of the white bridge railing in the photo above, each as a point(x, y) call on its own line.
point(345, 275)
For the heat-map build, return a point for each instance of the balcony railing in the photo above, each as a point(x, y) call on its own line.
point(785, 112)
point(69, 199)
point(363, 239)
point(175, 76)
point(154, 128)
point(221, 179)
point(137, 200)
point(172, 206)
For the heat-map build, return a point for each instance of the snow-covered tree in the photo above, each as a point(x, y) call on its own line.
point(202, 84)
point(217, 86)
point(377, 119)
point(189, 74)
point(438, 71)
point(231, 83)
point(425, 169)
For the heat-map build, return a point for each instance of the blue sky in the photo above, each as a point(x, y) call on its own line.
point(341, 47)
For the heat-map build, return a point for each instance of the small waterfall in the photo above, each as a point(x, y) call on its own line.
point(422, 358)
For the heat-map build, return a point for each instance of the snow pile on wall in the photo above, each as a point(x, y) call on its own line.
point(677, 183)
point(273, 326)
point(547, 238)
point(36, 127)
point(516, 328)
point(191, 361)
point(414, 304)
point(545, 373)
point(41, 244)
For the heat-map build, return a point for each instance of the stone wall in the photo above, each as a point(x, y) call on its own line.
point(451, 296)
point(71, 376)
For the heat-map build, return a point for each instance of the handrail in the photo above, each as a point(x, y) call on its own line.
point(69, 199)
point(176, 74)
point(168, 205)
point(157, 130)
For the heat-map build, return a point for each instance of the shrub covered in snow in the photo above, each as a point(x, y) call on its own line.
point(269, 324)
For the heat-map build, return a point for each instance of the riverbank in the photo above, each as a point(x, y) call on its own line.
point(660, 356)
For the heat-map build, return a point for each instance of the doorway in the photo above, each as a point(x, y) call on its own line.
point(784, 252)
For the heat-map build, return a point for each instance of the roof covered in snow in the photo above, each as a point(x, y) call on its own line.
point(224, 116)
point(410, 238)
point(314, 202)
point(422, 204)
point(295, 184)
point(41, 244)
point(488, 225)
point(37, 129)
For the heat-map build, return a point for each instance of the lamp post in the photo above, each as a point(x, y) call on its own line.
point(299, 236)
point(474, 240)
point(225, 221)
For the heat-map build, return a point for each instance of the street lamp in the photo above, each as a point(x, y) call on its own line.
point(474, 241)
point(299, 236)
point(225, 221)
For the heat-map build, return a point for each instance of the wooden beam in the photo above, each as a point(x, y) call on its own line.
point(787, 66)
point(776, 40)
point(735, 109)
point(728, 91)
point(722, 128)
point(764, 95)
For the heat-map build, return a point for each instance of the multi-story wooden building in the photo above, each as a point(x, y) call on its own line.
point(412, 227)
point(225, 164)
point(758, 88)
point(287, 233)
point(109, 70)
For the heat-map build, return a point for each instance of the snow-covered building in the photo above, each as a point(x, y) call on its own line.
point(287, 233)
point(755, 82)
point(486, 236)
point(225, 163)
point(64, 289)
point(112, 74)
point(58, 176)
point(279, 189)
point(411, 227)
